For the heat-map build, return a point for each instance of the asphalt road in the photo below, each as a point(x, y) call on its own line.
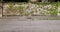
point(16, 25)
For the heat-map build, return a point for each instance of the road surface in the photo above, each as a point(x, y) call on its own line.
point(17, 25)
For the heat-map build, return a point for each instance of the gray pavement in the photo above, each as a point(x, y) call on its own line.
point(17, 25)
point(30, 26)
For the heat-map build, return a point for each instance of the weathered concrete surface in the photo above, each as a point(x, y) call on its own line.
point(16, 25)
